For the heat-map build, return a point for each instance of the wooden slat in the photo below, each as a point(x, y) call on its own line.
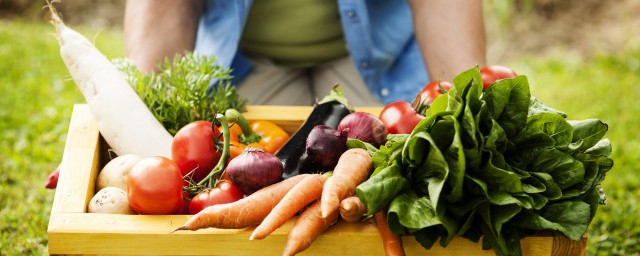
point(79, 164)
point(289, 117)
point(75, 233)
point(566, 246)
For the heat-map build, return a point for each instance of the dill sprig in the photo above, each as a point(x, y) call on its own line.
point(178, 93)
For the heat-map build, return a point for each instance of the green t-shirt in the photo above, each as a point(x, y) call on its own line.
point(296, 33)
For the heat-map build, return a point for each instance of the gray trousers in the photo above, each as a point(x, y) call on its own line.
point(269, 84)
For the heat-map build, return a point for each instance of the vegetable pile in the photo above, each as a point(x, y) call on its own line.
point(498, 164)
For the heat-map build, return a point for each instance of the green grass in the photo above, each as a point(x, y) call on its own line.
point(35, 107)
point(38, 95)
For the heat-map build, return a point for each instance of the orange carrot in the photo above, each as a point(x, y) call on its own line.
point(392, 243)
point(304, 193)
point(354, 167)
point(352, 209)
point(249, 211)
point(307, 228)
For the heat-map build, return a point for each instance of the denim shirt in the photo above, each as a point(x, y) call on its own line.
point(379, 36)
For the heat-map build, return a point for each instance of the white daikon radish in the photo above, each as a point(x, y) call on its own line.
point(123, 119)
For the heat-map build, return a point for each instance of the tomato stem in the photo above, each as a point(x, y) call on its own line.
point(219, 168)
point(442, 89)
point(248, 135)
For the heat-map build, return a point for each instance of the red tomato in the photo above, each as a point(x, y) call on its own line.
point(193, 149)
point(432, 91)
point(400, 117)
point(155, 186)
point(493, 73)
point(184, 205)
point(224, 193)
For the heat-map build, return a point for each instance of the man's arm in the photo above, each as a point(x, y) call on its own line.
point(159, 29)
point(450, 34)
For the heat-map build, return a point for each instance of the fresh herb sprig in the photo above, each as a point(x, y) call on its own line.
point(179, 92)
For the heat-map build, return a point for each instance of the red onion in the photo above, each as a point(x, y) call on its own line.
point(365, 127)
point(325, 145)
point(254, 169)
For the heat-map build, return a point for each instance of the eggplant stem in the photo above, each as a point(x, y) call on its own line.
point(336, 94)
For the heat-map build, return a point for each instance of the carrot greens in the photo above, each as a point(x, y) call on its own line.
point(181, 92)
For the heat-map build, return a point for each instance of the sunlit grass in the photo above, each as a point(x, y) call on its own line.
point(36, 100)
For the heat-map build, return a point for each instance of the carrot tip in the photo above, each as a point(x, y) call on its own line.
point(252, 237)
point(180, 228)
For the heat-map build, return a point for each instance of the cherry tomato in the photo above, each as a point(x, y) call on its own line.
point(432, 91)
point(193, 149)
point(226, 192)
point(155, 186)
point(400, 117)
point(493, 73)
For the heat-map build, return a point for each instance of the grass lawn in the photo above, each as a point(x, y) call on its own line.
point(38, 96)
point(35, 106)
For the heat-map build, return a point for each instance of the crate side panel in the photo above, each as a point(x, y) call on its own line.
point(137, 234)
point(565, 246)
point(79, 163)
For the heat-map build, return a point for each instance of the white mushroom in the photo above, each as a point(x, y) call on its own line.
point(110, 200)
point(114, 174)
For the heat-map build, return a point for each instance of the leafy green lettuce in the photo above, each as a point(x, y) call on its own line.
point(497, 164)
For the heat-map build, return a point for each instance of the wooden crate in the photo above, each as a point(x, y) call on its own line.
point(74, 231)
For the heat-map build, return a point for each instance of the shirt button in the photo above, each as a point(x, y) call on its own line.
point(384, 92)
point(350, 14)
point(364, 64)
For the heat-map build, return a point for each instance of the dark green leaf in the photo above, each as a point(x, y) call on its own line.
point(427, 237)
point(414, 212)
point(356, 143)
point(602, 148)
point(497, 138)
point(565, 170)
point(552, 190)
point(586, 133)
point(446, 136)
point(439, 105)
point(569, 217)
point(379, 190)
point(501, 179)
point(536, 107)
point(494, 195)
point(433, 171)
point(508, 102)
point(551, 124)
point(390, 152)
point(467, 79)
point(493, 218)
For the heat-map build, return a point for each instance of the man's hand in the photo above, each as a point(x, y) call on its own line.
point(159, 29)
point(450, 34)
